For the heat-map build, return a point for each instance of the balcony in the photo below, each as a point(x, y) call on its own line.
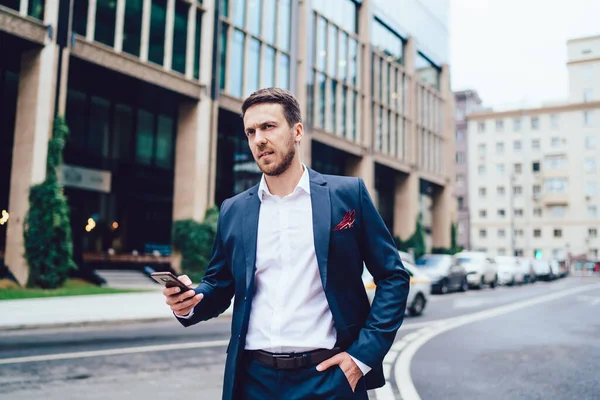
point(550, 199)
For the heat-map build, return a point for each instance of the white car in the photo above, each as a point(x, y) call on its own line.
point(481, 270)
point(420, 287)
point(510, 271)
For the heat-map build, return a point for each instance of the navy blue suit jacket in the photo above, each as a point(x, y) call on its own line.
point(365, 332)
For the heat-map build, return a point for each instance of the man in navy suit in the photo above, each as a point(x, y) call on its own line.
point(291, 250)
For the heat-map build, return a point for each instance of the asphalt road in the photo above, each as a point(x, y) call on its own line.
point(505, 343)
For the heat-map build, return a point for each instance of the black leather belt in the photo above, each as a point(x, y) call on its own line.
point(292, 360)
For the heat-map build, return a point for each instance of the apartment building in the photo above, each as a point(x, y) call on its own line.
point(534, 179)
point(467, 102)
point(152, 92)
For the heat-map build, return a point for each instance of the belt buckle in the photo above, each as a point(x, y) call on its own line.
point(277, 357)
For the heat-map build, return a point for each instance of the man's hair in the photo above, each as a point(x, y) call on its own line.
point(291, 107)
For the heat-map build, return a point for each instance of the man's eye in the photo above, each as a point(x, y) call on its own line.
point(268, 126)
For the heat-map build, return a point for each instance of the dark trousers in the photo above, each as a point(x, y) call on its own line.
point(261, 382)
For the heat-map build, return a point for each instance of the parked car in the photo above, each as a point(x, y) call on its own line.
point(445, 275)
point(481, 269)
point(420, 287)
point(529, 271)
point(510, 271)
point(545, 270)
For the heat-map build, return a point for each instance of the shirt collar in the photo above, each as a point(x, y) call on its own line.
point(303, 184)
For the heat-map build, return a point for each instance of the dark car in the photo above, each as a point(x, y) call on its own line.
point(445, 275)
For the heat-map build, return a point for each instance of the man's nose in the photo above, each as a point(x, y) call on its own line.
point(259, 137)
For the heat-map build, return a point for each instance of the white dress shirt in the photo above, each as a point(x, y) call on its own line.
point(290, 312)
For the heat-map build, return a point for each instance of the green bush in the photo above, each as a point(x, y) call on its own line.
point(47, 229)
point(415, 242)
point(194, 240)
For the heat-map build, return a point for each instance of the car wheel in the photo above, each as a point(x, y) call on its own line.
point(418, 305)
point(494, 282)
point(464, 286)
point(444, 287)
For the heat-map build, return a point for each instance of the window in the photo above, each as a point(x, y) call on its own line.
point(554, 121)
point(558, 211)
point(535, 166)
point(482, 192)
point(588, 118)
point(518, 168)
point(594, 254)
point(555, 162)
point(556, 185)
point(253, 66)
point(481, 149)
point(501, 233)
point(388, 42)
point(535, 123)
point(592, 211)
point(558, 254)
point(537, 212)
point(106, 17)
point(590, 164)
point(555, 142)
point(535, 144)
point(461, 227)
point(590, 142)
point(482, 213)
point(587, 95)
point(236, 64)
point(460, 157)
point(519, 233)
point(501, 213)
point(500, 169)
point(178, 56)
point(537, 233)
point(481, 170)
point(558, 233)
point(593, 232)
point(591, 189)
point(461, 201)
point(460, 180)
point(499, 125)
point(518, 190)
point(482, 233)
point(500, 191)
point(460, 136)
point(481, 127)
point(518, 212)
point(517, 145)
point(132, 27)
point(501, 252)
point(158, 23)
point(499, 148)
point(517, 124)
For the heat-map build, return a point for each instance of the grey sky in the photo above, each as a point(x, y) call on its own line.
point(513, 52)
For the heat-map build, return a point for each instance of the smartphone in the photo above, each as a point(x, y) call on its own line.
point(169, 280)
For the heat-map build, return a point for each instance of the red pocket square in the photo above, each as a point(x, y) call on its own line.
point(347, 222)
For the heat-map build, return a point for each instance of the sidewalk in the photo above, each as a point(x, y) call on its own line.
point(80, 310)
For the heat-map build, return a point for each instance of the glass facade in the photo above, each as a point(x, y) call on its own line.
point(254, 49)
point(35, 8)
point(9, 87)
point(127, 131)
point(427, 71)
point(236, 168)
point(386, 41)
point(105, 21)
point(429, 128)
point(334, 85)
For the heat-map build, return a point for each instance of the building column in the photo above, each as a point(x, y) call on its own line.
point(33, 129)
point(406, 205)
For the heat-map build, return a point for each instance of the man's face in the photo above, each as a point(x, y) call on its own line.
point(271, 139)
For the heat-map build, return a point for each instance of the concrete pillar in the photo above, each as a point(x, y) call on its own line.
point(302, 44)
point(406, 205)
point(33, 127)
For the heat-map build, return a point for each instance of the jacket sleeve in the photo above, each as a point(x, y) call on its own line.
point(217, 286)
point(382, 259)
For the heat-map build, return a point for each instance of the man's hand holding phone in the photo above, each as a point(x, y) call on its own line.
point(182, 302)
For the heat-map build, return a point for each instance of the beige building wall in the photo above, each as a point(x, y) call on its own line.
point(584, 69)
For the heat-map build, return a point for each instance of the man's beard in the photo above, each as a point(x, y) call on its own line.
point(276, 169)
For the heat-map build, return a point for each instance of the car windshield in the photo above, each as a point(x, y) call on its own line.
point(429, 261)
point(463, 260)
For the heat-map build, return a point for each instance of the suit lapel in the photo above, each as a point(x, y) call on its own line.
point(250, 230)
point(321, 216)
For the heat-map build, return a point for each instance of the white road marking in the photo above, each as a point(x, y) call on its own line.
point(385, 393)
point(402, 368)
point(114, 352)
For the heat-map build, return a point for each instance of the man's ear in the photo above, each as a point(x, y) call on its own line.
point(298, 132)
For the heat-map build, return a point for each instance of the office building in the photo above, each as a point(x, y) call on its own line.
point(152, 91)
point(533, 173)
point(467, 102)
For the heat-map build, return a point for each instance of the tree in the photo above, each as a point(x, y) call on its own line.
point(416, 242)
point(47, 229)
point(194, 240)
